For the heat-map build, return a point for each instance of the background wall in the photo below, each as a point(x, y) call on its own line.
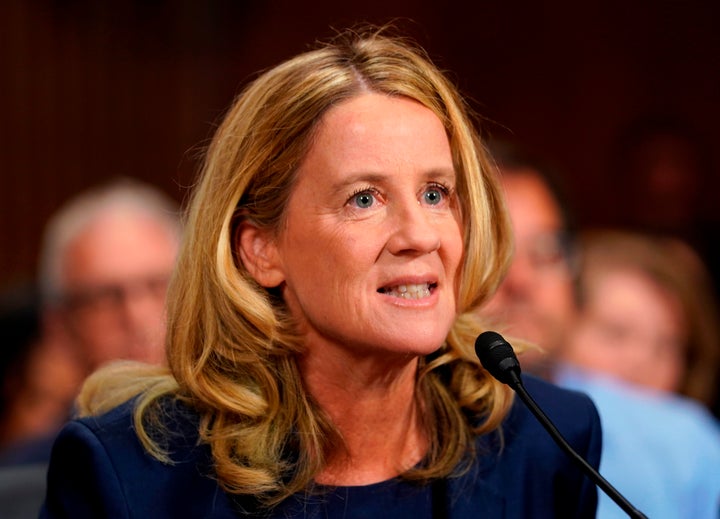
point(91, 90)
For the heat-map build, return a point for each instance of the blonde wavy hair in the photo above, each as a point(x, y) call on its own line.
point(231, 345)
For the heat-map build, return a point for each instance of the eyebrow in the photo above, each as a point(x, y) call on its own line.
point(344, 184)
point(445, 174)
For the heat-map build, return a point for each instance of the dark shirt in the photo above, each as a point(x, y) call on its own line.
point(394, 498)
point(99, 469)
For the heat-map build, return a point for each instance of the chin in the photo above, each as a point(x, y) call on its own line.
point(417, 348)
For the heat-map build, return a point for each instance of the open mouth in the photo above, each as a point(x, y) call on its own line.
point(415, 291)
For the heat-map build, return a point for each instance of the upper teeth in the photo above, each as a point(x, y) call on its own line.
point(417, 291)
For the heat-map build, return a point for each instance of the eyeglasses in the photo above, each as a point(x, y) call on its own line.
point(546, 251)
point(113, 297)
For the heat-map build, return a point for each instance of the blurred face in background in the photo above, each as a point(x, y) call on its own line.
point(115, 275)
point(42, 390)
point(631, 328)
point(535, 301)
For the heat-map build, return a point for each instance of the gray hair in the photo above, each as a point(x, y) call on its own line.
point(76, 214)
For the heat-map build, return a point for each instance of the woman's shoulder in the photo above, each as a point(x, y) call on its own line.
point(168, 411)
point(116, 418)
point(170, 423)
point(100, 463)
point(572, 412)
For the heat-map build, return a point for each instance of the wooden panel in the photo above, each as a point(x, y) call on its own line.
point(91, 90)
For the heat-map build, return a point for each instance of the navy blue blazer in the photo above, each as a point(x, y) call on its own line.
point(99, 469)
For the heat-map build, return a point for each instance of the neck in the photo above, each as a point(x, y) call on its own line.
point(374, 407)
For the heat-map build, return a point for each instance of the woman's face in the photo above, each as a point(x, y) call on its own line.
point(631, 328)
point(370, 250)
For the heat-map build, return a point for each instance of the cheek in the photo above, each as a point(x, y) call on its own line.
point(452, 252)
point(453, 246)
point(322, 261)
point(456, 270)
point(673, 377)
point(588, 345)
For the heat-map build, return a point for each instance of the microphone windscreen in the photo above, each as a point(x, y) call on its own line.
point(496, 355)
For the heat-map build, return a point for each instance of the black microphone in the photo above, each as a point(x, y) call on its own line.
point(498, 358)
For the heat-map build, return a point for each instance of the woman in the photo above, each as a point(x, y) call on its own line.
point(648, 315)
point(320, 330)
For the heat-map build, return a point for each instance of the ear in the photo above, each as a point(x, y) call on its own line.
point(258, 253)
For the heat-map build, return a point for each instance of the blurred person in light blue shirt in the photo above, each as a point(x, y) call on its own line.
point(661, 451)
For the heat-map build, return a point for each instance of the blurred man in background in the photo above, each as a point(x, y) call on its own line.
point(106, 258)
point(535, 302)
point(105, 262)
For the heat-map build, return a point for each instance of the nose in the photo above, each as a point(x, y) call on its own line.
point(414, 230)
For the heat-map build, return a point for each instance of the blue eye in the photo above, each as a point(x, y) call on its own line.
point(433, 196)
point(364, 199)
